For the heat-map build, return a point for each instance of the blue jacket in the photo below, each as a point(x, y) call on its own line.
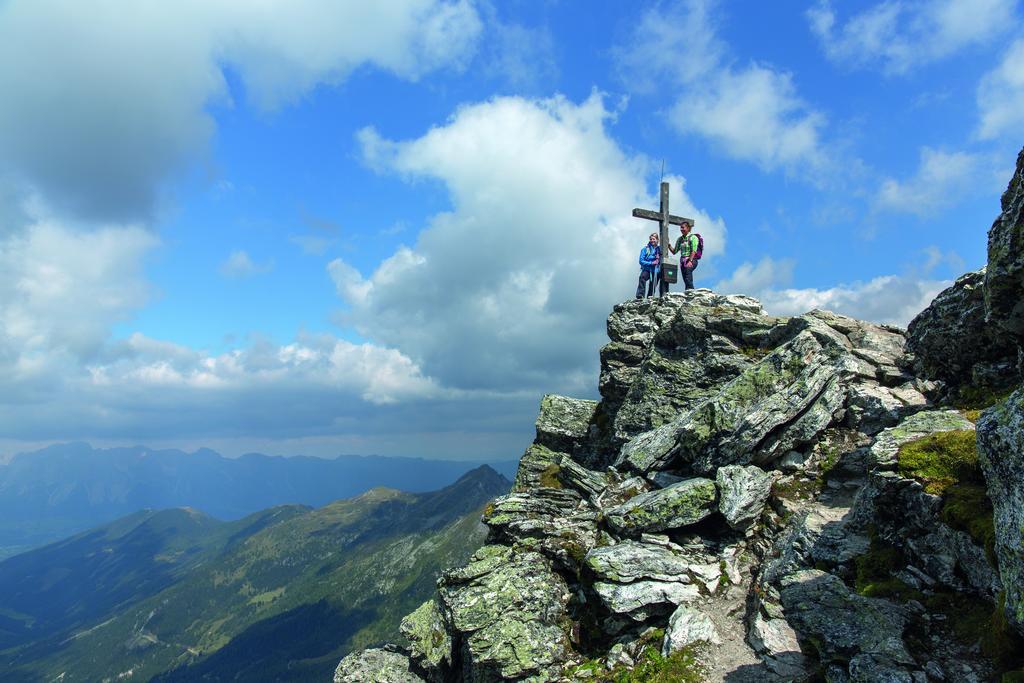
point(650, 259)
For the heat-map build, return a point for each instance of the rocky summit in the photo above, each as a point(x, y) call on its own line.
point(759, 498)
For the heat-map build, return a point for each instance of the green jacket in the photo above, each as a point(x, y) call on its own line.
point(687, 249)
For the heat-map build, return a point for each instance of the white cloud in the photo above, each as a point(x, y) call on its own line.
point(892, 299)
point(62, 289)
point(941, 179)
point(899, 35)
point(751, 112)
point(240, 265)
point(749, 277)
point(888, 299)
point(509, 289)
point(134, 80)
point(1001, 97)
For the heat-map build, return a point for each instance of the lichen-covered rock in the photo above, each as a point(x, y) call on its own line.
point(630, 561)
point(871, 407)
point(505, 609)
point(430, 644)
point(785, 399)
point(640, 599)
point(843, 625)
point(950, 337)
point(687, 626)
point(668, 354)
point(376, 666)
point(743, 492)
point(557, 522)
point(682, 504)
point(1001, 454)
point(564, 423)
point(882, 454)
point(1004, 274)
point(776, 642)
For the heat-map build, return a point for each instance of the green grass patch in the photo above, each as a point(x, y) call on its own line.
point(549, 477)
point(947, 464)
point(651, 667)
point(875, 569)
point(940, 460)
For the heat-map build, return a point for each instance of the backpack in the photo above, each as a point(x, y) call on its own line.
point(700, 247)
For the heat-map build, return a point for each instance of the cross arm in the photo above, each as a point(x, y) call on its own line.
point(655, 216)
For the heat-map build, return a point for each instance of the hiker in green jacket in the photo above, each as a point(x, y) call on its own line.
point(686, 247)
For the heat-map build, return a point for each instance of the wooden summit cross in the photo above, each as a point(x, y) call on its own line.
point(664, 218)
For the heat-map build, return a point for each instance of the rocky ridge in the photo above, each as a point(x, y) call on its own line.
point(781, 498)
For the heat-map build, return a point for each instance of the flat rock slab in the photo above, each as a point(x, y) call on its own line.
point(844, 625)
point(632, 561)
point(636, 599)
point(679, 505)
point(376, 666)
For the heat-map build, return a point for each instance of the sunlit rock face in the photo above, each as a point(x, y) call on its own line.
point(766, 498)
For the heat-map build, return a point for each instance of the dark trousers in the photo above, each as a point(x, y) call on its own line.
point(688, 273)
point(646, 278)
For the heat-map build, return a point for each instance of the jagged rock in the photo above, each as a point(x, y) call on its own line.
point(743, 492)
point(564, 423)
point(430, 644)
point(776, 642)
point(950, 337)
point(630, 561)
point(505, 608)
point(844, 626)
point(872, 407)
point(679, 505)
point(1004, 275)
point(687, 626)
point(1001, 454)
point(640, 599)
point(376, 666)
point(782, 401)
point(902, 513)
point(666, 355)
point(555, 522)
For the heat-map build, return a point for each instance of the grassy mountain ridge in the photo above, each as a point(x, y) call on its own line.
point(52, 493)
point(282, 601)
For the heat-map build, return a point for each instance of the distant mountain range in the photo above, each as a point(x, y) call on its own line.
point(52, 493)
point(279, 595)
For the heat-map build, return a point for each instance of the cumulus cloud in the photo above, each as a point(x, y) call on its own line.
point(135, 80)
point(240, 265)
point(1001, 96)
point(751, 112)
point(898, 35)
point(507, 290)
point(941, 179)
point(891, 299)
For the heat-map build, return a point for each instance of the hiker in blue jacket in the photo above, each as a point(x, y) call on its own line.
point(650, 265)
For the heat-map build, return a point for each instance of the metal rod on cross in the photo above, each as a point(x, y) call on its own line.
point(664, 218)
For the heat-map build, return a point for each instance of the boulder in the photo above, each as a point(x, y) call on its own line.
point(1001, 454)
point(631, 561)
point(776, 642)
point(505, 610)
point(430, 644)
point(564, 423)
point(378, 665)
point(687, 626)
point(951, 340)
point(640, 599)
point(678, 505)
point(743, 492)
point(845, 626)
point(1004, 274)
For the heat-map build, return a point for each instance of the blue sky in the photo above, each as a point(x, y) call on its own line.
point(330, 227)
